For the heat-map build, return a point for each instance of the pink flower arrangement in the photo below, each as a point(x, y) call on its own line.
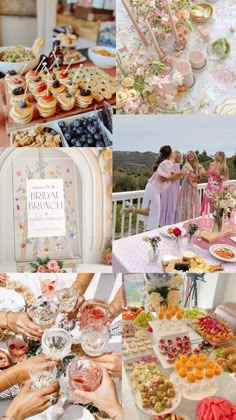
point(48, 266)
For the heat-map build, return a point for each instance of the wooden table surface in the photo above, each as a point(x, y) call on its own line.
point(4, 138)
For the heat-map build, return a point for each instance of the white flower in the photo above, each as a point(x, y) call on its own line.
point(231, 202)
point(178, 77)
point(223, 204)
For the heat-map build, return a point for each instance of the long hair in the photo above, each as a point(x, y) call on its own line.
point(164, 153)
point(174, 155)
point(222, 165)
point(195, 165)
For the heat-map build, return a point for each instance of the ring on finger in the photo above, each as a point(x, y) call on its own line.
point(53, 400)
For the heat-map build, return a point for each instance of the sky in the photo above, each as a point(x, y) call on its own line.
point(182, 132)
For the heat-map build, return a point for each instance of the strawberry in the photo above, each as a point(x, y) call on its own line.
point(47, 98)
point(63, 75)
point(41, 88)
point(12, 346)
point(78, 380)
point(50, 287)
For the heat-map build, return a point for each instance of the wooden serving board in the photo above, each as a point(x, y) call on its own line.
point(211, 237)
point(168, 267)
point(37, 119)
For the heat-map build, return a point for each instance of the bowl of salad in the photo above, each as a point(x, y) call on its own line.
point(17, 57)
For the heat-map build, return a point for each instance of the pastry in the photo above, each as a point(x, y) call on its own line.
point(67, 38)
point(57, 88)
point(31, 74)
point(17, 95)
point(63, 77)
point(11, 74)
point(69, 87)
point(33, 83)
point(16, 82)
point(66, 101)
point(36, 137)
point(83, 98)
point(22, 112)
point(40, 91)
point(47, 106)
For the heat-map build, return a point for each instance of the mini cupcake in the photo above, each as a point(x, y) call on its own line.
point(47, 106)
point(57, 88)
point(66, 101)
point(16, 82)
point(34, 83)
point(83, 98)
point(17, 95)
point(22, 112)
point(40, 91)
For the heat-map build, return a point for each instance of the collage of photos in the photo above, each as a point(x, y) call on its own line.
point(117, 210)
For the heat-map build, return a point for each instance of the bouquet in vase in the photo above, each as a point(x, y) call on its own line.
point(223, 204)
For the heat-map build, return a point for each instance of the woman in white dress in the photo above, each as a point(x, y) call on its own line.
point(159, 181)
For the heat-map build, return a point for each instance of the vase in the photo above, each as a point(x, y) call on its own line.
point(177, 249)
point(153, 254)
point(217, 225)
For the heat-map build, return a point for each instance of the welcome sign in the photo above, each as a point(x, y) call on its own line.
point(45, 208)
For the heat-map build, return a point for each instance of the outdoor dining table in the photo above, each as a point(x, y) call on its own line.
point(130, 254)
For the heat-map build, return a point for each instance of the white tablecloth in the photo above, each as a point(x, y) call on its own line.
point(130, 255)
point(205, 88)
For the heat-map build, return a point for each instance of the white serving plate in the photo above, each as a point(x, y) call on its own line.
point(101, 60)
point(175, 401)
point(51, 124)
point(213, 247)
point(197, 396)
point(182, 329)
point(11, 300)
point(77, 412)
point(164, 232)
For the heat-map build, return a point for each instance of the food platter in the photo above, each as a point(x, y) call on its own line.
point(166, 231)
point(226, 249)
point(175, 403)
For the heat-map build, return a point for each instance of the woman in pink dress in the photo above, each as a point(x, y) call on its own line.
point(170, 197)
point(189, 197)
point(217, 173)
point(161, 177)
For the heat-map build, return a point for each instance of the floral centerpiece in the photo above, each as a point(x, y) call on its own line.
point(177, 233)
point(223, 204)
point(192, 229)
point(147, 83)
point(153, 241)
point(47, 266)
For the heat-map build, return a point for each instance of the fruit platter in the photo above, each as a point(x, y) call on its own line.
point(130, 313)
point(216, 409)
point(192, 313)
point(226, 358)
point(214, 330)
point(41, 95)
point(142, 320)
point(158, 396)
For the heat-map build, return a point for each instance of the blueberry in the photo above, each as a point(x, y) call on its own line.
point(70, 82)
point(68, 136)
point(53, 77)
point(22, 104)
point(73, 141)
point(12, 72)
point(99, 144)
point(90, 142)
point(83, 139)
point(78, 143)
point(61, 124)
point(18, 91)
point(56, 84)
point(76, 123)
point(37, 79)
point(85, 92)
point(97, 137)
point(68, 95)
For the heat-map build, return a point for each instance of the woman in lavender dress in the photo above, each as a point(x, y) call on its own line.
point(170, 197)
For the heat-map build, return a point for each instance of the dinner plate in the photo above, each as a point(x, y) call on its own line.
point(77, 412)
point(175, 402)
point(11, 300)
point(227, 107)
point(164, 231)
point(232, 248)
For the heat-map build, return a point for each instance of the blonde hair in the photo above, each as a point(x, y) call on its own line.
point(174, 155)
point(195, 165)
point(222, 165)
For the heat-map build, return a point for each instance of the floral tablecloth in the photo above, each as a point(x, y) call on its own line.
point(130, 254)
point(214, 85)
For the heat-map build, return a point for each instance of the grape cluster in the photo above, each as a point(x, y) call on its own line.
point(84, 132)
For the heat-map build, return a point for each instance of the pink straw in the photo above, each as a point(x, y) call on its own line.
point(142, 37)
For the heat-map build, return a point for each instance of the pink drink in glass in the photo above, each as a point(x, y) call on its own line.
point(48, 284)
point(92, 312)
point(18, 348)
point(83, 375)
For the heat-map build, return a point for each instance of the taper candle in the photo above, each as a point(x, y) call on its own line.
point(154, 41)
point(141, 35)
point(176, 35)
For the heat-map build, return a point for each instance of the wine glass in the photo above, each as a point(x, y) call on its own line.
point(83, 375)
point(48, 284)
point(67, 298)
point(43, 374)
point(93, 311)
point(44, 312)
point(18, 348)
point(56, 343)
point(94, 339)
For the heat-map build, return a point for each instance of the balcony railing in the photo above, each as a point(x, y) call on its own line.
point(128, 224)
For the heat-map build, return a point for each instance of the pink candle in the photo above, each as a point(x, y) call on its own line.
point(155, 44)
point(142, 37)
point(196, 59)
point(176, 35)
point(184, 67)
